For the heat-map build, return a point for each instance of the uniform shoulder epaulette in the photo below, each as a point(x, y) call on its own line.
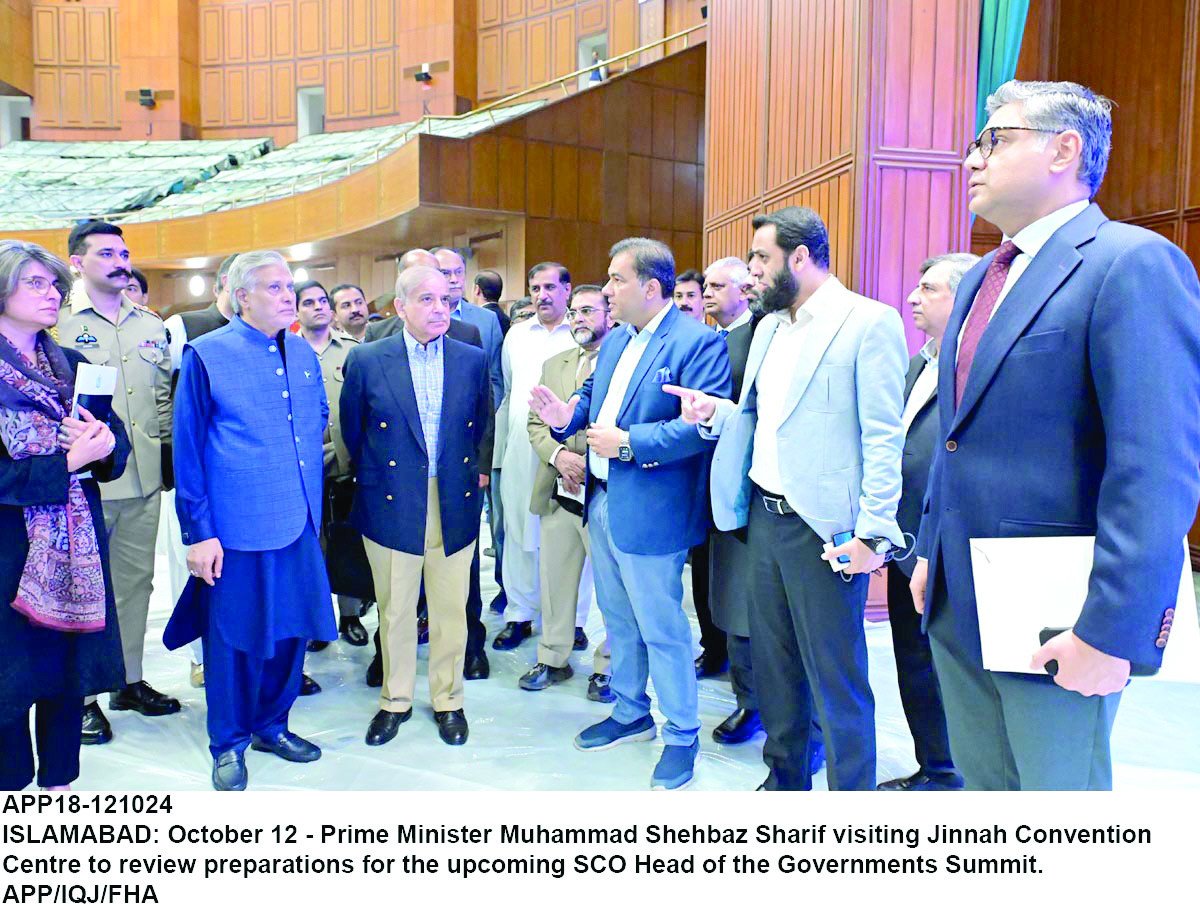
point(146, 309)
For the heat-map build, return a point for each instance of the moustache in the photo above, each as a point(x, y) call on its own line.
point(118, 273)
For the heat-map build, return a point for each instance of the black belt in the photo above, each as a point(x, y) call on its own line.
point(602, 484)
point(775, 503)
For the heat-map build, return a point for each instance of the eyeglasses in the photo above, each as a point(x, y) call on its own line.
point(585, 311)
point(987, 139)
point(41, 286)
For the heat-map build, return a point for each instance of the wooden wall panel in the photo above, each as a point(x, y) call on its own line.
point(73, 67)
point(70, 36)
point(337, 26)
point(283, 93)
point(235, 34)
point(537, 45)
point(383, 81)
point(45, 36)
point(359, 15)
point(259, 85)
point(212, 97)
point(310, 36)
point(489, 13)
point(283, 29)
point(258, 37)
point(235, 95)
point(512, 73)
point(212, 37)
point(490, 81)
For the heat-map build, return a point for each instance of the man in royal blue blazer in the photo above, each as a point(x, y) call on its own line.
point(1070, 405)
point(413, 428)
point(646, 495)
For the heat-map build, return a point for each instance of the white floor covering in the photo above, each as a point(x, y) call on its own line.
point(522, 740)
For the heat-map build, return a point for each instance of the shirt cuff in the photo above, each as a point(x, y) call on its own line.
point(554, 454)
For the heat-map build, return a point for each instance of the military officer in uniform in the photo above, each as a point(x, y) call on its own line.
point(108, 329)
point(331, 347)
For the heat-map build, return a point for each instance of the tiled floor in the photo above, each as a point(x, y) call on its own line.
point(522, 740)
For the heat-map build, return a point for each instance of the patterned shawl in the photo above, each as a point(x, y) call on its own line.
point(62, 584)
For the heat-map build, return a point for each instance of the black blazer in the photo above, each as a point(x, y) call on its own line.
point(919, 443)
point(382, 429)
point(738, 342)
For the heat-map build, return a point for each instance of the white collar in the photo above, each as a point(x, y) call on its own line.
point(820, 302)
point(652, 325)
point(930, 350)
point(740, 321)
point(1031, 238)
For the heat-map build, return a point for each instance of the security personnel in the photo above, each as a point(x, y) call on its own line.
point(106, 327)
point(331, 347)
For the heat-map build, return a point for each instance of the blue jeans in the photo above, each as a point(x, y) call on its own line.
point(641, 598)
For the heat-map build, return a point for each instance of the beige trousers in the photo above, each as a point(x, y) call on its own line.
point(397, 579)
point(132, 526)
point(564, 545)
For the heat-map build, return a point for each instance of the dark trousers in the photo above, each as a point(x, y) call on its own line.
point(741, 672)
point(712, 639)
point(1017, 731)
point(810, 654)
point(919, 691)
point(56, 724)
point(247, 694)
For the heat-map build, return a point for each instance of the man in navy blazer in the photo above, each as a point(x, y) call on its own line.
point(645, 498)
point(1069, 400)
point(413, 429)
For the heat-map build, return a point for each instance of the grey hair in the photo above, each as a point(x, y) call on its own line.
point(412, 278)
point(16, 254)
point(960, 264)
point(241, 272)
point(1061, 106)
point(739, 272)
point(652, 259)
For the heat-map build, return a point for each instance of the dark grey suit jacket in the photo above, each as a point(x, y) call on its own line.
point(922, 436)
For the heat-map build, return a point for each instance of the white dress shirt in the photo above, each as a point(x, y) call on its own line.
point(774, 381)
point(742, 320)
point(619, 384)
point(1030, 240)
point(527, 347)
point(925, 385)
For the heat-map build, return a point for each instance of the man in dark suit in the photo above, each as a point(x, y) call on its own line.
point(931, 300)
point(1070, 405)
point(645, 498)
point(413, 429)
point(487, 290)
point(722, 607)
point(476, 665)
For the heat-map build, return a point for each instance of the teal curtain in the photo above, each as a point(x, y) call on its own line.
point(1001, 25)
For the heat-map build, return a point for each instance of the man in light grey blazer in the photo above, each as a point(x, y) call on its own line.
point(811, 451)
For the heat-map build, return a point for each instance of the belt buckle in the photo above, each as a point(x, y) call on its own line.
point(773, 504)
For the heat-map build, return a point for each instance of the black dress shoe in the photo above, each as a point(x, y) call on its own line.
point(452, 726)
point(352, 630)
point(314, 646)
point(543, 676)
point(229, 771)
point(924, 782)
point(512, 635)
point(581, 640)
point(476, 666)
point(375, 672)
point(599, 688)
point(710, 666)
point(308, 685)
point(737, 727)
point(288, 746)
point(384, 725)
point(142, 698)
point(366, 607)
point(95, 730)
point(423, 629)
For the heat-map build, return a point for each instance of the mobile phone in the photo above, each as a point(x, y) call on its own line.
point(1052, 665)
point(838, 540)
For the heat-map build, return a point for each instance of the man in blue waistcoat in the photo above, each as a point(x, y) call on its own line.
point(250, 418)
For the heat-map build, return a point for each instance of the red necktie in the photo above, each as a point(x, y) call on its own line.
point(981, 313)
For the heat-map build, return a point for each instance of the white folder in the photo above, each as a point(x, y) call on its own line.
point(93, 379)
point(1026, 584)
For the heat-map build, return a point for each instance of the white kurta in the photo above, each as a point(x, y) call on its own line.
point(527, 347)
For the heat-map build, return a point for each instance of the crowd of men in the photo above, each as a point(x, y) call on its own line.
point(758, 419)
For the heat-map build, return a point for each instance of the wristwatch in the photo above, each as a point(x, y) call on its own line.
point(624, 452)
point(880, 546)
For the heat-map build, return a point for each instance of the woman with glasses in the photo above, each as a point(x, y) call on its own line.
point(59, 639)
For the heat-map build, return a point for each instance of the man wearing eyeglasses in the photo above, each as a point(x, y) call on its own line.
point(1068, 403)
point(557, 499)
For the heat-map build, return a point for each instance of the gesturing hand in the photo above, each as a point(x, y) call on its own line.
point(696, 406)
point(552, 409)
